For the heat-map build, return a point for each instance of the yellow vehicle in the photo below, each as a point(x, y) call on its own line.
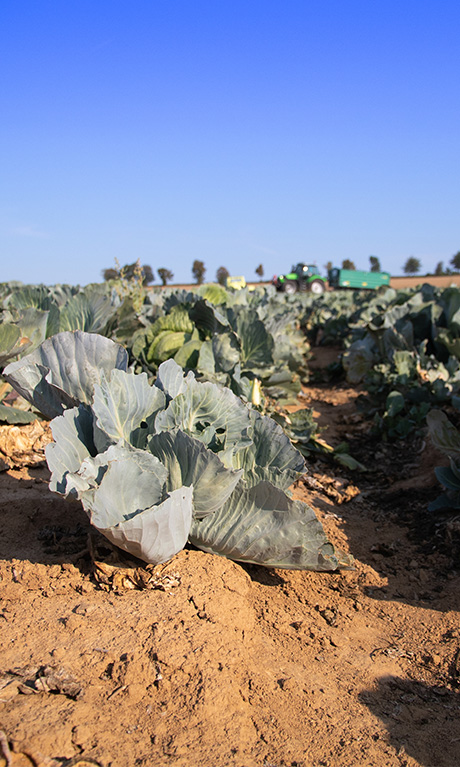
point(236, 282)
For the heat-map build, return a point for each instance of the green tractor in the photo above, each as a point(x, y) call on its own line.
point(302, 277)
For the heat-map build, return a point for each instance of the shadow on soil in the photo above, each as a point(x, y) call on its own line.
point(418, 552)
point(393, 533)
point(422, 721)
point(39, 526)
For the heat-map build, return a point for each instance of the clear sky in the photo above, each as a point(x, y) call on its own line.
point(236, 132)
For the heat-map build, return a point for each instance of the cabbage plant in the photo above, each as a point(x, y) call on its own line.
point(155, 465)
point(446, 438)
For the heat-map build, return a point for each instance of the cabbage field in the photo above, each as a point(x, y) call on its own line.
point(231, 512)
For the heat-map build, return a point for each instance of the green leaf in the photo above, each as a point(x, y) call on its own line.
point(271, 456)
point(14, 415)
point(157, 533)
point(263, 526)
point(172, 380)
point(446, 477)
point(190, 463)
point(73, 443)
point(256, 341)
point(204, 405)
point(358, 360)
point(90, 312)
point(177, 320)
point(395, 403)
point(62, 372)
point(9, 342)
point(125, 406)
point(226, 350)
point(187, 356)
point(133, 480)
point(206, 364)
point(207, 318)
point(444, 435)
point(129, 507)
point(215, 294)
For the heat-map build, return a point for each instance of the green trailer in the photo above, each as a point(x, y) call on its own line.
point(353, 278)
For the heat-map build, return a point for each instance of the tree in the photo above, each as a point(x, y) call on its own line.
point(198, 271)
point(412, 266)
point(165, 275)
point(221, 275)
point(439, 269)
point(134, 271)
point(455, 262)
point(148, 274)
point(347, 264)
point(260, 271)
point(375, 264)
point(110, 274)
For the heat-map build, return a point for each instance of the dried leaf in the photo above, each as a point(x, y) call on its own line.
point(22, 446)
point(340, 490)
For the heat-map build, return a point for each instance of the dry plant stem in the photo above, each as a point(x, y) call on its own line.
point(5, 749)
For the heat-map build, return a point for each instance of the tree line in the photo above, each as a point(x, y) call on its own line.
point(144, 275)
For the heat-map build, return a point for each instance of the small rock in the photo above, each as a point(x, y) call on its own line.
point(84, 609)
point(338, 641)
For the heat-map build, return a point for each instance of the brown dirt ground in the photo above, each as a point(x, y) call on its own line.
point(210, 663)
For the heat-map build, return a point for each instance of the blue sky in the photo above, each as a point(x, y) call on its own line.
point(234, 132)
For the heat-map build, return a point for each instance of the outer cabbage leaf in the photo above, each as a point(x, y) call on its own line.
point(62, 372)
point(443, 433)
point(14, 415)
point(90, 311)
point(73, 443)
point(129, 506)
point(263, 526)
point(206, 364)
point(171, 380)
point(190, 463)
point(394, 404)
point(451, 343)
point(212, 414)
point(123, 490)
point(187, 356)
point(30, 296)
point(125, 406)
point(158, 533)
point(207, 318)
point(215, 294)
point(37, 324)
point(132, 480)
point(256, 341)
point(359, 359)
point(271, 456)
point(226, 351)
point(9, 341)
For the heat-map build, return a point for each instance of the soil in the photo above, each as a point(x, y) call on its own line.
point(212, 663)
